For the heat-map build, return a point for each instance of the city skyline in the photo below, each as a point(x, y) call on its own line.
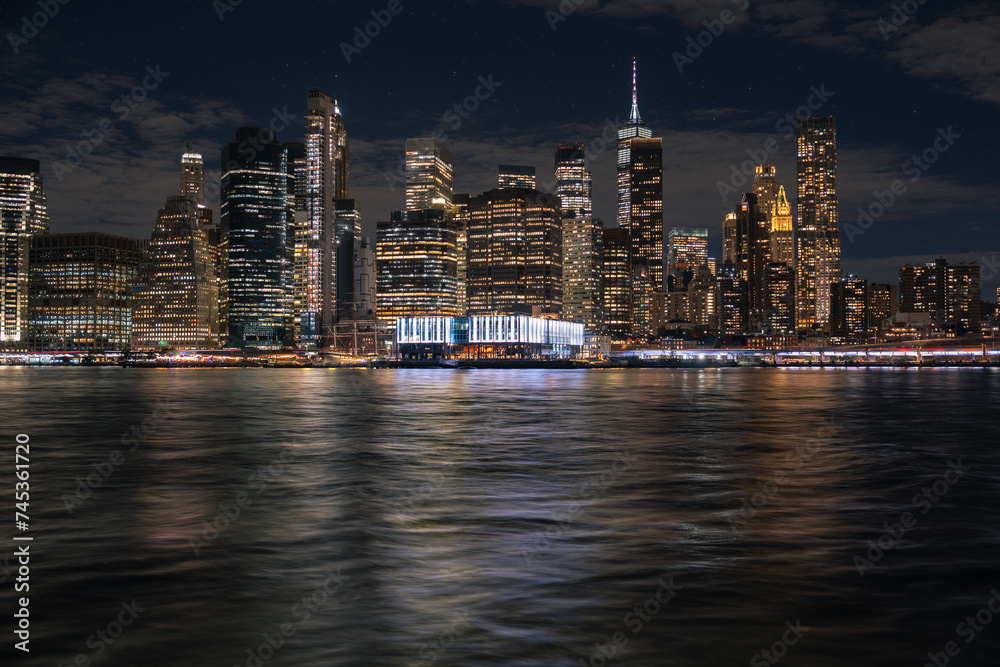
point(708, 124)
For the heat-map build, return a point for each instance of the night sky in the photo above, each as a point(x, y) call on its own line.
point(893, 87)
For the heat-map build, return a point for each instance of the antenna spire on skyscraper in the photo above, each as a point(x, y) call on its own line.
point(634, 117)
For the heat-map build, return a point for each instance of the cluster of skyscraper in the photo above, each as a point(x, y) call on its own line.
point(286, 266)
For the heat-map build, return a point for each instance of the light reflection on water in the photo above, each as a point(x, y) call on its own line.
point(507, 517)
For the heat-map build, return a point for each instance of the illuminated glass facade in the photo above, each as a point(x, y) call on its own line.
point(617, 283)
point(257, 214)
point(646, 207)
point(488, 337)
point(416, 265)
point(779, 298)
point(23, 214)
point(515, 251)
point(582, 253)
point(818, 232)
point(428, 175)
point(516, 176)
point(193, 176)
point(460, 214)
point(81, 290)
point(633, 128)
point(176, 295)
point(687, 248)
point(327, 179)
point(849, 309)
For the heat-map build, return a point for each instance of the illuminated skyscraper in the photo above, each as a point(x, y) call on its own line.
point(81, 291)
point(633, 128)
point(779, 298)
point(687, 248)
point(782, 231)
point(193, 176)
point(460, 214)
point(257, 213)
point(327, 155)
point(428, 175)
point(765, 186)
point(753, 254)
point(177, 295)
point(516, 176)
point(849, 316)
point(581, 239)
point(732, 299)
point(818, 233)
point(616, 277)
point(416, 265)
point(646, 207)
point(729, 239)
point(515, 252)
point(23, 214)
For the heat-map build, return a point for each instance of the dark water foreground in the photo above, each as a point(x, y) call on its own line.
point(323, 517)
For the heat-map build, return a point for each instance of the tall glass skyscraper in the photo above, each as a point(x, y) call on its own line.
point(646, 207)
point(818, 233)
point(257, 214)
point(23, 214)
point(327, 175)
point(428, 175)
point(633, 128)
point(581, 239)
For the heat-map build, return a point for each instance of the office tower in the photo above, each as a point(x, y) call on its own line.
point(176, 294)
point(729, 239)
point(416, 258)
point(849, 312)
point(616, 277)
point(642, 300)
point(297, 175)
point(460, 214)
point(193, 175)
point(327, 180)
point(428, 175)
point(81, 289)
point(765, 186)
point(347, 213)
point(782, 231)
point(515, 252)
point(711, 265)
point(733, 304)
point(779, 298)
point(298, 232)
point(753, 254)
point(646, 206)
point(23, 214)
point(687, 248)
point(633, 128)
point(257, 256)
point(883, 304)
point(516, 176)
point(363, 297)
point(818, 233)
point(581, 239)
